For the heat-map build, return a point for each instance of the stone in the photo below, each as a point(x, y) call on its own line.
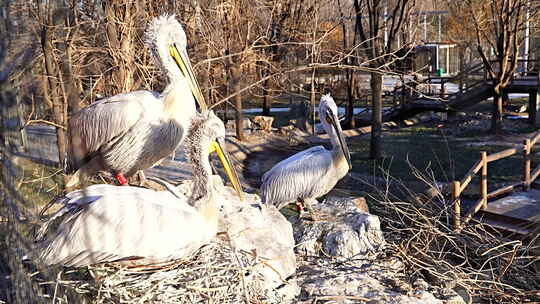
point(361, 204)
point(341, 228)
point(301, 111)
point(358, 281)
point(246, 124)
point(259, 229)
point(408, 122)
point(263, 122)
point(286, 130)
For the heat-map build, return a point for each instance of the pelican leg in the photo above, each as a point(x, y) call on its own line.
point(308, 204)
point(300, 205)
point(142, 177)
point(121, 179)
point(308, 211)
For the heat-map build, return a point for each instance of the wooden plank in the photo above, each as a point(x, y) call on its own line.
point(526, 164)
point(534, 174)
point(469, 176)
point(456, 216)
point(535, 139)
point(504, 190)
point(501, 154)
point(524, 206)
point(483, 179)
point(473, 211)
point(504, 226)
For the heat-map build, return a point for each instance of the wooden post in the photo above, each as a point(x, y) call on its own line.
point(461, 83)
point(533, 106)
point(456, 214)
point(527, 164)
point(442, 92)
point(483, 179)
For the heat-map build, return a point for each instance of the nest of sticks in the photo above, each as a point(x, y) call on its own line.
point(217, 273)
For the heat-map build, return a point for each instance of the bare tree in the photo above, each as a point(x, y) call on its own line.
point(50, 21)
point(378, 23)
point(499, 26)
point(349, 60)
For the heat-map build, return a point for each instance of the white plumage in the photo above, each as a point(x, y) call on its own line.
point(133, 131)
point(313, 172)
point(109, 223)
point(105, 223)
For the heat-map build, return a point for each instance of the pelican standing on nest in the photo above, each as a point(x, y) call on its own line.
point(106, 223)
point(311, 173)
point(129, 132)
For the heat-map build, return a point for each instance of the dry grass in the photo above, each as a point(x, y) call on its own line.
point(216, 273)
point(481, 261)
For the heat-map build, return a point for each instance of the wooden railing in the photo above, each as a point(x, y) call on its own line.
point(467, 80)
point(481, 166)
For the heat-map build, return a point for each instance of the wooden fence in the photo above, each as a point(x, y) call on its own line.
point(481, 167)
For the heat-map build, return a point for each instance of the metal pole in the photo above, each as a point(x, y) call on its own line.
point(526, 42)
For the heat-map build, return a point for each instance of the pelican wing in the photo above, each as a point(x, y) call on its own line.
point(102, 122)
point(112, 223)
point(296, 177)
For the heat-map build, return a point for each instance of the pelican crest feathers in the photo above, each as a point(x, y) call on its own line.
point(203, 126)
point(164, 30)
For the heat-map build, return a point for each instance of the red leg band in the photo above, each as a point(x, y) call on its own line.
point(121, 179)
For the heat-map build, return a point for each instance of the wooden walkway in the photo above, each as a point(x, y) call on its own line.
point(473, 87)
point(503, 207)
point(524, 206)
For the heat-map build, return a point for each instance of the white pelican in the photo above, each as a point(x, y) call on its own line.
point(133, 131)
point(311, 173)
point(106, 223)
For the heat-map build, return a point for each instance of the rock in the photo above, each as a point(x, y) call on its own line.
point(246, 124)
point(286, 130)
point(342, 228)
point(420, 284)
point(462, 296)
point(301, 111)
point(361, 204)
point(263, 122)
point(516, 108)
point(408, 122)
point(260, 230)
point(358, 281)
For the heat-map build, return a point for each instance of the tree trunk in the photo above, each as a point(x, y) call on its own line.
point(496, 119)
point(71, 91)
point(267, 102)
point(312, 100)
point(120, 20)
point(350, 100)
point(53, 87)
point(375, 150)
point(235, 71)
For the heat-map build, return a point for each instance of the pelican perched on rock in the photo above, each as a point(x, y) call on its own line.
point(106, 223)
point(311, 173)
point(129, 132)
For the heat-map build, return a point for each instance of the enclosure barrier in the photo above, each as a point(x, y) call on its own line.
point(469, 79)
point(481, 166)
